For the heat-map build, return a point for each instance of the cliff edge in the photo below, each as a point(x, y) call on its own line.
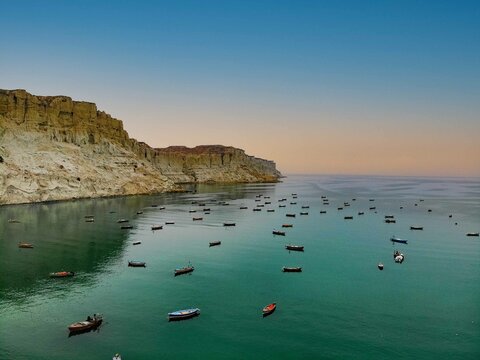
point(54, 148)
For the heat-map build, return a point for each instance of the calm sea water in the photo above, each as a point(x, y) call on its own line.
point(340, 306)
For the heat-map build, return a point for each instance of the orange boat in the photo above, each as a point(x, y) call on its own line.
point(269, 309)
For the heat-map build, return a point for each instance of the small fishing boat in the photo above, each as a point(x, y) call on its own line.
point(257, 209)
point(290, 215)
point(229, 224)
point(270, 210)
point(398, 240)
point(372, 208)
point(305, 207)
point(90, 220)
point(269, 309)
point(161, 208)
point(169, 222)
point(139, 212)
point(293, 203)
point(25, 246)
point(340, 208)
point(206, 209)
point(287, 225)
point(184, 270)
point(323, 196)
point(323, 211)
point(87, 325)
point(137, 264)
point(398, 257)
point(183, 314)
point(380, 266)
point(62, 274)
point(304, 213)
point(282, 206)
point(294, 247)
point(361, 213)
point(243, 207)
point(348, 217)
point(197, 218)
point(125, 227)
point(416, 227)
point(390, 221)
point(157, 227)
point(472, 234)
point(268, 202)
point(89, 216)
point(389, 217)
point(276, 232)
point(214, 243)
point(258, 200)
point(122, 221)
point(291, 269)
point(136, 243)
point(371, 199)
point(429, 210)
point(192, 211)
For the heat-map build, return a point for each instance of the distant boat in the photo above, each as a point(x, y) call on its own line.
point(371, 199)
point(269, 309)
point(192, 211)
point(90, 220)
point(117, 357)
point(372, 208)
point(361, 213)
point(87, 325)
point(348, 217)
point(268, 202)
point(260, 205)
point(13, 221)
point(161, 208)
point(25, 246)
point(243, 207)
point(416, 227)
point(197, 218)
point(229, 224)
point(257, 209)
point(380, 266)
point(304, 213)
point(305, 207)
point(139, 212)
point(390, 221)
point(183, 314)
point(293, 203)
point(62, 274)
point(184, 270)
point(287, 225)
point(398, 240)
point(215, 243)
point(323, 211)
point(169, 222)
point(136, 243)
point(398, 257)
point(389, 217)
point(282, 206)
point(86, 217)
point(294, 247)
point(124, 227)
point(122, 221)
point(290, 215)
point(472, 234)
point(154, 205)
point(137, 264)
point(276, 232)
point(340, 208)
point(206, 209)
point(270, 210)
point(291, 269)
point(157, 227)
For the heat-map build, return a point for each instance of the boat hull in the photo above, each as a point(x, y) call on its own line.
point(292, 269)
point(183, 314)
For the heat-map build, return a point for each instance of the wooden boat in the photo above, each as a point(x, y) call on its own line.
point(25, 246)
point(290, 215)
point(276, 232)
point(294, 247)
point(137, 264)
point(169, 222)
point(390, 221)
point(229, 224)
point(87, 325)
point(429, 210)
point(197, 218)
point(124, 227)
point(323, 196)
point(416, 227)
point(136, 243)
point(183, 314)
point(269, 309)
point(287, 225)
point(157, 227)
point(215, 243)
point(62, 274)
point(122, 221)
point(323, 211)
point(304, 213)
point(185, 270)
point(472, 234)
point(291, 269)
point(398, 257)
point(380, 266)
point(348, 217)
point(398, 240)
point(268, 202)
point(294, 197)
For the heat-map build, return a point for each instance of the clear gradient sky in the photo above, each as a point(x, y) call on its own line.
point(345, 87)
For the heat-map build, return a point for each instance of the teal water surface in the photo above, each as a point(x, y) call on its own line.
point(340, 306)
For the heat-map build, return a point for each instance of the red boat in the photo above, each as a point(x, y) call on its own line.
point(87, 325)
point(269, 309)
point(61, 274)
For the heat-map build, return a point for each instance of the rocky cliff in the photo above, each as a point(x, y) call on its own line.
point(54, 148)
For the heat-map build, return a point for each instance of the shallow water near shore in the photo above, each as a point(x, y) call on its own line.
point(340, 306)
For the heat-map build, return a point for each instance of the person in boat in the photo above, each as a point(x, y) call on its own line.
point(89, 318)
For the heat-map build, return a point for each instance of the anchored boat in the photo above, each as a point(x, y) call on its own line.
point(269, 309)
point(184, 270)
point(183, 314)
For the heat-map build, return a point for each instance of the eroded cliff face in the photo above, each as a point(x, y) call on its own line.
point(54, 148)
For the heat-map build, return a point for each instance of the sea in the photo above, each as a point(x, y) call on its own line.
point(341, 306)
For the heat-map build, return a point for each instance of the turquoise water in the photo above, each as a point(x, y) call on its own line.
point(340, 306)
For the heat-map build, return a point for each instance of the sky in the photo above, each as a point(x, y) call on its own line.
point(331, 87)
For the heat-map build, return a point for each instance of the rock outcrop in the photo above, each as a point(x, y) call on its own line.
point(54, 148)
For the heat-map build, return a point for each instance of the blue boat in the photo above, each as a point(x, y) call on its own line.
point(183, 314)
point(398, 240)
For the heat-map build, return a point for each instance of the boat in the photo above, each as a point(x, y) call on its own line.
point(269, 309)
point(117, 357)
point(257, 209)
point(90, 220)
point(260, 205)
point(215, 243)
point(361, 213)
point(270, 210)
point(136, 243)
point(89, 216)
point(304, 213)
point(276, 232)
point(197, 218)
point(340, 208)
point(25, 246)
point(157, 227)
point(229, 224)
point(291, 269)
point(323, 211)
point(87, 325)
point(472, 234)
point(62, 274)
point(161, 208)
point(290, 215)
point(380, 266)
point(293, 203)
point(139, 212)
point(416, 227)
point(122, 221)
point(398, 240)
point(243, 207)
point(287, 225)
point(137, 264)
point(372, 208)
point(185, 270)
point(183, 314)
point(389, 217)
point(268, 202)
point(124, 227)
point(192, 211)
point(169, 222)
point(398, 257)
point(206, 209)
point(282, 206)
point(305, 207)
point(154, 205)
point(348, 217)
point(390, 221)
point(294, 247)
point(371, 199)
